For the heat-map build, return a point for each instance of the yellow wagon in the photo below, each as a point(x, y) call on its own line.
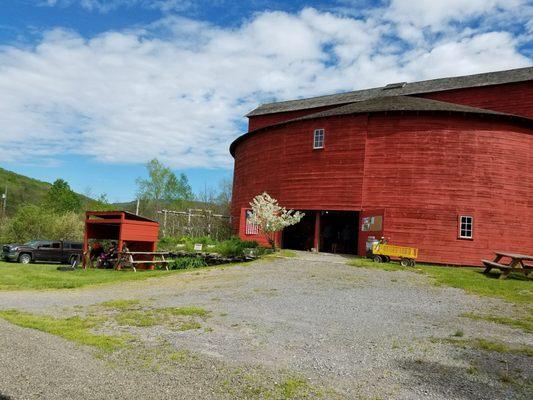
point(383, 252)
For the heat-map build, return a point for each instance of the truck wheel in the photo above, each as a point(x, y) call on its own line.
point(72, 260)
point(387, 259)
point(412, 262)
point(405, 262)
point(377, 259)
point(25, 258)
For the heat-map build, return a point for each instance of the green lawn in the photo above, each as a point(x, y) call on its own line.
point(14, 276)
point(515, 289)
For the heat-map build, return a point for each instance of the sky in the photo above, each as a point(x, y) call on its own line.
point(91, 90)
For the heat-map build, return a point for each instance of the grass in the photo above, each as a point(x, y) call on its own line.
point(120, 304)
point(76, 329)
point(286, 253)
point(515, 289)
point(132, 313)
point(124, 313)
point(14, 276)
point(525, 324)
point(289, 387)
point(489, 345)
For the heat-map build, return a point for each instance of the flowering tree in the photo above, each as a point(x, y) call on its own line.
point(270, 217)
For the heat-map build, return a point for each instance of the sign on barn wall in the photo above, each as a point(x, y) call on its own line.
point(372, 223)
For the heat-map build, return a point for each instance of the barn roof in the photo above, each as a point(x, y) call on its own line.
point(390, 104)
point(400, 88)
point(116, 214)
point(400, 103)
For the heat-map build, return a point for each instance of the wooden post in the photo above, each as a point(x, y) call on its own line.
point(316, 243)
point(85, 251)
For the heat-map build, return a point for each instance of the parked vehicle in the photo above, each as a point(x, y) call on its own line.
point(44, 251)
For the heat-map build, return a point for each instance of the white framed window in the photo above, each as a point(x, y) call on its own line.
point(466, 227)
point(250, 228)
point(318, 139)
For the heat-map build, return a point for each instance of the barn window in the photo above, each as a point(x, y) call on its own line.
point(318, 139)
point(466, 227)
point(250, 229)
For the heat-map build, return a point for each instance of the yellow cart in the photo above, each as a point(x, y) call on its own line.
point(382, 252)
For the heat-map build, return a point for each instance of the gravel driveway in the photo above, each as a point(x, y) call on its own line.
point(345, 332)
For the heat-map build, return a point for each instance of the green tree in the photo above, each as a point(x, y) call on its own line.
point(61, 199)
point(163, 185)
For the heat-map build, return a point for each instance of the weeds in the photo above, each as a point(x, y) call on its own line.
point(525, 324)
point(76, 329)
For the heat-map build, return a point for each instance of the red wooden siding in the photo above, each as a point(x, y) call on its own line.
point(511, 98)
point(282, 162)
point(260, 121)
point(140, 231)
point(425, 171)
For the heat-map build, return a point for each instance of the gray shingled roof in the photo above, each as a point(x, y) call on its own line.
point(434, 85)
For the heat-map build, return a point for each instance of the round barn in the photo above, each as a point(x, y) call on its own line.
point(444, 165)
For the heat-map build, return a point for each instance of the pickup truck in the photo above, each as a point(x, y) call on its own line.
point(56, 251)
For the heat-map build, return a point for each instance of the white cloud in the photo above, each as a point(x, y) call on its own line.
point(435, 13)
point(177, 89)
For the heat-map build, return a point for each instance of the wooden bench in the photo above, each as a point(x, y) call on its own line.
point(491, 264)
point(516, 264)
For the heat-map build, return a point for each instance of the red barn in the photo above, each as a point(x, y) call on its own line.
point(445, 165)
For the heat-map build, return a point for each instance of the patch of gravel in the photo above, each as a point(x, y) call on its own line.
point(363, 333)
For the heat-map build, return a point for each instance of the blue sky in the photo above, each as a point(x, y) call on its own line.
point(90, 90)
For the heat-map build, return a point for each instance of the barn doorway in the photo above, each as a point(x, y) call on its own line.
point(339, 231)
point(301, 235)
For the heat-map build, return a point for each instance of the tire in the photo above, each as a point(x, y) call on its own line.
point(377, 259)
point(72, 259)
point(387, 259)
point(25, 258)
point(405, 262)
point(412, 262)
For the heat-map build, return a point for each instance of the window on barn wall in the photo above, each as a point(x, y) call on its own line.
point(466, 227)
point(250, 228)
point(318, 139)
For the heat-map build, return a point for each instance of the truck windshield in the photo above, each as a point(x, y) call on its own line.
point(32, 243)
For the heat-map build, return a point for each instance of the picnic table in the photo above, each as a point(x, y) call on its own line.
point(516, 263)
point(127, 259)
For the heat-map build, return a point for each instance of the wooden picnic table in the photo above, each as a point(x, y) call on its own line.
point(517, 263)
point(126, 258)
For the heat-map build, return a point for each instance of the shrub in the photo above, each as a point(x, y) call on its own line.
point(168, 243)
point(235, 246)
point(35, 222)
point(188, 263)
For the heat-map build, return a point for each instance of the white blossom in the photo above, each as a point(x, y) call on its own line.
point(270, 217)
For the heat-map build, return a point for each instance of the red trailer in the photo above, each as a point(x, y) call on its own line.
point(140, 233)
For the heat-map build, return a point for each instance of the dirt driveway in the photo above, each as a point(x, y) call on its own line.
point(305, 327)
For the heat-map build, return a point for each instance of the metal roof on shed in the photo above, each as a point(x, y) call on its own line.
point(433, 85)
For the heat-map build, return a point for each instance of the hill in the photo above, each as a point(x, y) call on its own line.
point(24, 190)
point(21, 189)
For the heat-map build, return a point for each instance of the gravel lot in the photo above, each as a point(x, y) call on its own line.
point(352, 333)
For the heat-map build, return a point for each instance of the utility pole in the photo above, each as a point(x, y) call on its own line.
point(137, 208)
point(4, 201)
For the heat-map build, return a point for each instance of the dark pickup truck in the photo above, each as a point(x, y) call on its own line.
point(43, 250)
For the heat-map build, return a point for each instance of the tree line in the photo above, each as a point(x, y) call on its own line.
point(60, 214)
